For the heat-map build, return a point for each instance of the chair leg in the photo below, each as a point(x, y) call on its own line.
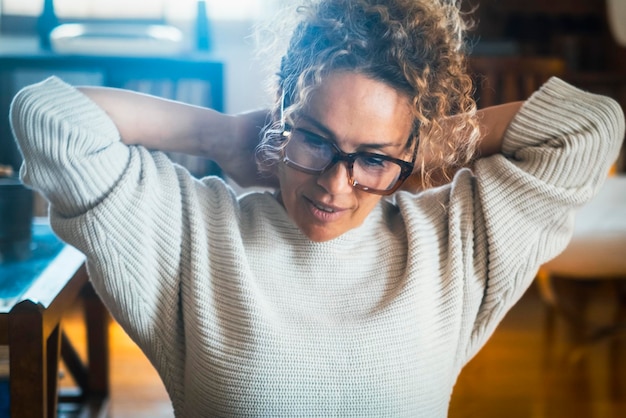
point(98, 319)
point(52, 360)
point(548, 296)
point(618, 345)
point(74, 364)
point(620, 312)
point(591, 334)
point(573, 313)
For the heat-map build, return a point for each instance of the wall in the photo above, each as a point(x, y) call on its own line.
point(245, 78)
point(576, 30)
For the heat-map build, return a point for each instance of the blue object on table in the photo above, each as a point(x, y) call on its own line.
point(17, 276)
point(5, 407)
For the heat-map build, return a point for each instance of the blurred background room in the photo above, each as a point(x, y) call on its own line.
point(561, 352)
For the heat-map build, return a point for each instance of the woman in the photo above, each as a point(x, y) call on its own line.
point(324, 298)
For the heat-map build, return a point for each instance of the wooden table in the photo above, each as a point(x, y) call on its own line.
point(34, 296)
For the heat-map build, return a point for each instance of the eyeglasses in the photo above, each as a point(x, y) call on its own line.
point(370, 172)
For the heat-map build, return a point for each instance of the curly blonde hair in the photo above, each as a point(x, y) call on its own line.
point(414, 46)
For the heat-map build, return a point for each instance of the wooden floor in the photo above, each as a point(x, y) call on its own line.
point(521, 374)
point(517, 374)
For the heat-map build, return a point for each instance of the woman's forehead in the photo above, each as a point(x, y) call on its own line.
point(352, 105)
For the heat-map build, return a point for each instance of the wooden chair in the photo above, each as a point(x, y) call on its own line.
point(593, 266)
point(511, 78)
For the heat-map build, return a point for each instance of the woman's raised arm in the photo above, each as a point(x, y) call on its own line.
point(494, 122)
point(172, 126)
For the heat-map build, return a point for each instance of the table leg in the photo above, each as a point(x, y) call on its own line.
point(52, 373)
point(36, 345)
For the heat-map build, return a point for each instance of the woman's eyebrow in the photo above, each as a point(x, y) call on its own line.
point(319, 126)
point(329, 135)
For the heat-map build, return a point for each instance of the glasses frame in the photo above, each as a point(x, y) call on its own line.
point(406, 168)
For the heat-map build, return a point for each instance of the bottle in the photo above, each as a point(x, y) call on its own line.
point(203, 30)
point(16, 216)
point(47, 21)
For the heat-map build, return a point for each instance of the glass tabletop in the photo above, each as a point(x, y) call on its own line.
point(17, 276)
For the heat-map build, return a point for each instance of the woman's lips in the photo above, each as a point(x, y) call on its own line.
point(323, 212)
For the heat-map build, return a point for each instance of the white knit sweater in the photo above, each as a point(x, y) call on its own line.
point(242, 315)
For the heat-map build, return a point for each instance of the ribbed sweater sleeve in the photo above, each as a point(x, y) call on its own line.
point(556, 154)
point(119, 205)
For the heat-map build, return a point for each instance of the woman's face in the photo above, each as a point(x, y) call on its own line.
point(358, 114)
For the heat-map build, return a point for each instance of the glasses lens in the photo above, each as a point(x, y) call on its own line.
point(376, 172)
point(308, 151)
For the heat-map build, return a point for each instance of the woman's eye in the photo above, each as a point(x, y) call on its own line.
point(313, 141)
point(372, 161)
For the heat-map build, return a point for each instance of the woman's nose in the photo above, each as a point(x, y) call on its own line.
point(336, 179)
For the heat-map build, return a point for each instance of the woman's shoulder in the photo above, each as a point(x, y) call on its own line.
point(253, 202)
